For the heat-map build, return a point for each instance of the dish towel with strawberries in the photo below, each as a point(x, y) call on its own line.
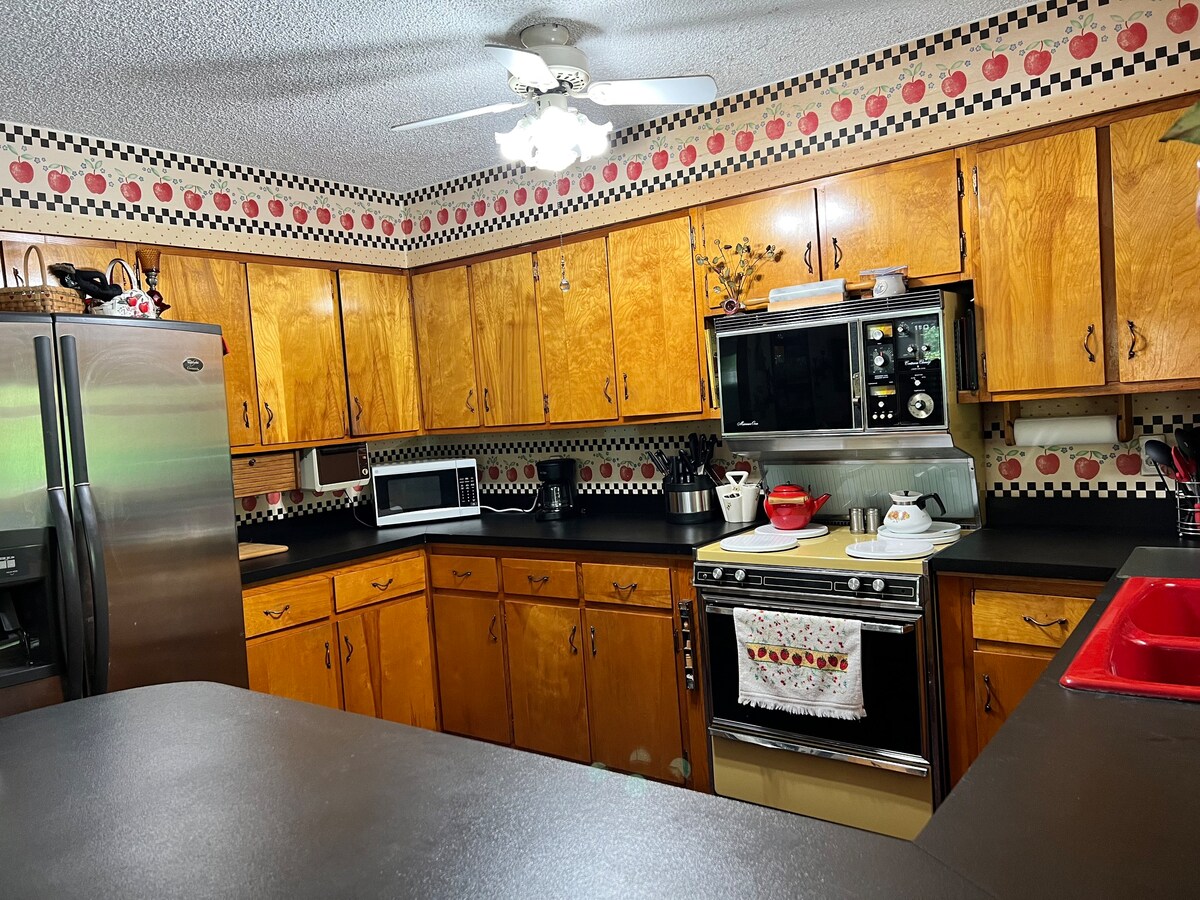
point(809, 665)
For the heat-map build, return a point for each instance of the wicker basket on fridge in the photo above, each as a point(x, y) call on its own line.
point(40, 298)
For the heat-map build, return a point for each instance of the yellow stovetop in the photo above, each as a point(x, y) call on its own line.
point(828, 552)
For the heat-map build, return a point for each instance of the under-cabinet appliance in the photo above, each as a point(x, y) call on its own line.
point(425, 491)
point(557, 498)
point(857, 375)
point(119, 565)
point(334, 468)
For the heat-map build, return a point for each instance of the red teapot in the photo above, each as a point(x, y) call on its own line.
point(790, 507)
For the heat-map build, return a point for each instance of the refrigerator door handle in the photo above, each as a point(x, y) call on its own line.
point(86, 504)
point(71, 597)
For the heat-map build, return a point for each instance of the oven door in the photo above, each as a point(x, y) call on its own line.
point(892, 735)
point(785, 380)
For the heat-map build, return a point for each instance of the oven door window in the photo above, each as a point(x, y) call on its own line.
point(891, 666)
point(415, 491)
point(795, 379)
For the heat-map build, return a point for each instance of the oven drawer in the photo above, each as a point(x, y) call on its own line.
point(1036, 620)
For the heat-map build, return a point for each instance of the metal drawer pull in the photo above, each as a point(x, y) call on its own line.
point(837, 254)
point(542, 580)
point(571, 639)
point(487, 406)
point(619, 588)
point(1132, 338)
point(808, 257)
point(1087, 339)
point(987, 686)
point(358, 414)
point(270, 414)
point(492, 630)
point(607, 382)
point(382, 587)
point(349, 648)
point(470, 394)
point(458, 574)
point(246, 413)
point(1033, 621)
point(276, 613)
point(625, 381)
point(592, 629)
point(328, 661)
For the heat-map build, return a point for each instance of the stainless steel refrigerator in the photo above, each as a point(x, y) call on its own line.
point(116, 493)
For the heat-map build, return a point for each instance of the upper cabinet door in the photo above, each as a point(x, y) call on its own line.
point(786, 218)
point(381, 353)
point(654, 318)
point(82, 253)
point(442, 314)
point(212, 290)
point(578, 368)
point(906, 213)
point(1156, 249)
point(506, 338)
point(297, 354)
point(1038, 283)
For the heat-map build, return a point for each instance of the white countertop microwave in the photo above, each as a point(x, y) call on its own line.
point(424, 491)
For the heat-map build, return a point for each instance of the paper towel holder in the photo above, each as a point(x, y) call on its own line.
point(1011, 411)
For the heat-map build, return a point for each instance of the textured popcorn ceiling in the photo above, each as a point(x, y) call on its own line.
point(312, 87)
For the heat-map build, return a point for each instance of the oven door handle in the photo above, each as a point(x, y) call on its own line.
point(881, 627)
point(874, 762)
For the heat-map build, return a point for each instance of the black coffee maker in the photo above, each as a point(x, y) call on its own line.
point(556, 494)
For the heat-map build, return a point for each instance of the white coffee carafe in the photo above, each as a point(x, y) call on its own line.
point(907, 514)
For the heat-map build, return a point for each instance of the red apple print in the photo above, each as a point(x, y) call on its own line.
point(1087, 468)
point(1047, 463)
point(564, 186)
point(1036, 62)
point(480, 208)
point(1010, 469)
point(876, 105)
point(995, 67)
point(954, 83)
point(274, 497)
point(687, 155)
point(1132, 37)
point(841, 109)
point(222, 201)
point(807, 123)
point(300, 214)
point(368, 221)
point(762, 651)
point(587, 182)
point(192, 200)
point(163, 191)
point(606, 470)
point(250, 208)
point(586, 473)
point(347, 222)
point(530, 470)
point(719, 471)
point(21, 171)
point(95, 183)
point(633, 170)
point(493, 472)
point(144, 307)
point(743, 140)
point(511, 474)
point(1083, 45)
point(659, 159)
point(1182, 18)
point(295, 496)
point(443, 216)
point(609, 172)
point(913, 91)
point(58, 181)
point(460, 215)
point(626, 473)
point(425, 225)
point(406, 225)
point(1129, 463)
point(324, 215)
point(388, 227)
point(520, 196)
point(743, 465)
point(131, 191)
point(248, 503)
point(275, 207)
point(648, 470)
point(540, 193)
point(775, 128)
point(715, 143)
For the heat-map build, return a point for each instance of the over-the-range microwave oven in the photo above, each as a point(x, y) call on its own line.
point(857, 374)
point(424, 491)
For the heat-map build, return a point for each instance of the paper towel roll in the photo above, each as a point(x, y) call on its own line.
point(1065, 430)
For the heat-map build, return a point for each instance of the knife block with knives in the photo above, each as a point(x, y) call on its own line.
point(688, 484)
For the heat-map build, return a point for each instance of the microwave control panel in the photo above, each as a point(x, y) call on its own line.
point(468, 488)
point(904, 372)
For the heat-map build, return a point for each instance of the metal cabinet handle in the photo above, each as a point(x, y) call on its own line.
point(492, 631)
point(540, 580)
point(1033, 621)
point(592, 629)
point(382, 587)
point(358, 410)
point(328, 661)
point(622, 588)
point(276, 613)
point(458, 574)
point(470, 394)
point(349, 648)
point(270, 413)
point(625, 379)
point(987, 686)
point(837, 254)
point(607, 382)
point(808, 257)
point(487, 406)
point(246, 413)
point(1132, 338)
point(1087, 339)
point(571, 639)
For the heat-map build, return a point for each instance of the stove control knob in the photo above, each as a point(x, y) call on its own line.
point(880, 360)
point(901, 329)
point(877, 585)
point(875, 334)
point(739, 575)
point(854, 584)
point(718, 573)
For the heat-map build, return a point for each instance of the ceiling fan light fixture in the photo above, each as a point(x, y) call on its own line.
point(554, 137)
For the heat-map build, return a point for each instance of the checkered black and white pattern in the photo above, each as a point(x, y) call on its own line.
point(1065, 490)
point(288, 509)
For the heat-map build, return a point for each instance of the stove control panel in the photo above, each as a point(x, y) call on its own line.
point(797, 583)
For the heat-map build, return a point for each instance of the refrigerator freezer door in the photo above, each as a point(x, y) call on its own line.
point(151, 400)
point(23, 501)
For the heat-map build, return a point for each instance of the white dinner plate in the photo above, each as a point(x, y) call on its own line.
point(889, 549)
point(934, 531)
point(758, 543)
point(799, 534)
point(885, 533)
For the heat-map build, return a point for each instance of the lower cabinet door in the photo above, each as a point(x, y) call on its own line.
point(297, 664)
point(470, 665)
point(387, 663)
point(545, 670)
point(1001, 681)
point(633, 697)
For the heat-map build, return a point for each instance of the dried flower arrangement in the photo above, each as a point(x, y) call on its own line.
point(736, 275)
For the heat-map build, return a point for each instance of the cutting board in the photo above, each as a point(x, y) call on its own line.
point(254, 551)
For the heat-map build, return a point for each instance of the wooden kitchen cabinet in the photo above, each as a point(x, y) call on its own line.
point(545, 666)
point(470, 666)
point(506, 341)
point(387, 662)
point(654, 318)
point(297, 354)
point(213, 290)
point(1156, 251)
point(904, 213)
point(381, 353)
point(1001, 682)
point(83, 253)
point(442, 315)
point(1038, 278)
point(298, 664)
point(633, 696)
point(578, 364)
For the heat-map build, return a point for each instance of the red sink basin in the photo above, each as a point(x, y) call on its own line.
point(1146, 643)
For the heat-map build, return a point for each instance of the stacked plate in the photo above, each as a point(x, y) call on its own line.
point(758, 543)
point(799, 534)
point(887, 548)
point(936, 533)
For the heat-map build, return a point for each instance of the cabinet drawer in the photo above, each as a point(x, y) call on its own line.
point(464, 573)
point(629, 585)
point(1036, 620)
point(254, 475)
point(280, 606)
point(540, 578)
point(379, 581)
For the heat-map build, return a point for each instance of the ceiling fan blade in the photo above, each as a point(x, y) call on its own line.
point(525, 64)
point(681, 90)
point(450, 117)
